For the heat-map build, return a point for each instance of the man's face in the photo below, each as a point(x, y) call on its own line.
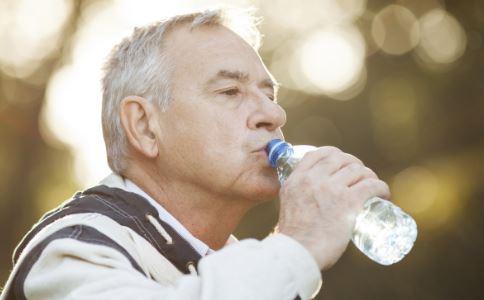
point(221, 117)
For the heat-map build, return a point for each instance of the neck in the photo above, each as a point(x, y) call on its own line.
point(210, 218)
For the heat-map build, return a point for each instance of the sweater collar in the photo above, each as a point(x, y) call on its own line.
point(117, 181)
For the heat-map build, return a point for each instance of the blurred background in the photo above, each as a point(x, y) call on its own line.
point(399, 84)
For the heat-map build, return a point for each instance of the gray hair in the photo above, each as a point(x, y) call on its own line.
point(139, 66)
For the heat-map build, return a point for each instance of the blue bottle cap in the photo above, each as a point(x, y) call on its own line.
point(274, 149)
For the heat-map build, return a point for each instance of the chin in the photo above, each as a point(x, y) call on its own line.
point(259, 187)
point(266, 190)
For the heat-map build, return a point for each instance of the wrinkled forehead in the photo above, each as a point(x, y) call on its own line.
point(202, 52)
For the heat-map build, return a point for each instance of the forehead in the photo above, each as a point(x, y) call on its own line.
point(202, 52)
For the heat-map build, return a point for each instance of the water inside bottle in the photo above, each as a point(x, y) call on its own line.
point(384, 232)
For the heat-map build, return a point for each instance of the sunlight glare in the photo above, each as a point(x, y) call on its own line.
point(306, 15)
point(395, 30)
point(73, 108)
point(415, 189)
point(443, 40)
point(333, 59)
point(30, 30)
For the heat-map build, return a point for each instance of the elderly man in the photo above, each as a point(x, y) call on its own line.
point(188, 109)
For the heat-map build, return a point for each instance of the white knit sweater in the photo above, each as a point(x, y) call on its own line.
point(90, 255)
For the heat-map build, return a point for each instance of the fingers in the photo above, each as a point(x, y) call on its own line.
point(341, 170)
point(353, 173)
point(313, 157)
point(372, 187)
point(327, 159)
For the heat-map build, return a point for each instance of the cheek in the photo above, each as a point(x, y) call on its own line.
point(228, 132)
point(211, 129)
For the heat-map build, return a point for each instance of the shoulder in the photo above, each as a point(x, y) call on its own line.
point(95, 205)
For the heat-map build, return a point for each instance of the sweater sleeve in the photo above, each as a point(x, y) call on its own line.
point(275, 268)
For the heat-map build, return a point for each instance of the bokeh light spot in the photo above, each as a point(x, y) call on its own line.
point(430, 194)
point(443, 40)
point(333, 59)
point(30, 30)
point(415, 189)
point(322, 12)
point(395, 30)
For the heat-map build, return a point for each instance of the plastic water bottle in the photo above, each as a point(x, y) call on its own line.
point(383, 231)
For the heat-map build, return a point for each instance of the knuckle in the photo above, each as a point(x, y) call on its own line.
point(386, 189)
point(337, 157)
point(354, 167)
point(370, 173)
point(330, 149)
point(352, 158)
point(379, 187)
point(332, 159)
point(310, 154)
point(317, 153)
point(373, 185)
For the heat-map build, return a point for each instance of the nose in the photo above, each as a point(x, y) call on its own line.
point(267, 114)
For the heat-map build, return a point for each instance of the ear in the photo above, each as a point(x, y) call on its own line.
point(136, 115)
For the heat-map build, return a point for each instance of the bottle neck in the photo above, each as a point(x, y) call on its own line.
point(285, 164)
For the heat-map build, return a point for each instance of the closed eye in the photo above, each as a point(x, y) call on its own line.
point(231, 92)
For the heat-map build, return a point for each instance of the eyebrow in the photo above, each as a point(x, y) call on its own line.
point(243, 78)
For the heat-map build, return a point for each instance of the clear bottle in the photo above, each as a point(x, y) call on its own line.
point(383, 231)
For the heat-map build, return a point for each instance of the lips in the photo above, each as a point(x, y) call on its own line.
point(262, 147)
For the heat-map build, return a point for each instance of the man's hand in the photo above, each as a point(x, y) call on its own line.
point(321, 198)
